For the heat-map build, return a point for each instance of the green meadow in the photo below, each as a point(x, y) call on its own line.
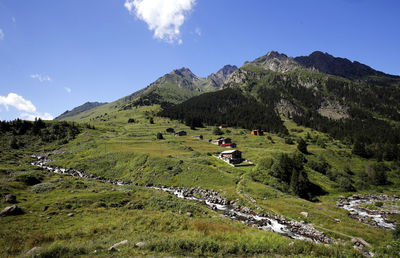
point(105, 214)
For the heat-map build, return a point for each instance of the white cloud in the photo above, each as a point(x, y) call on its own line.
point(18, 102)
point(1, 34)
point(67, 89)
point(198, 31)
point(31, 117)
point(164, 17)
point(41, 78)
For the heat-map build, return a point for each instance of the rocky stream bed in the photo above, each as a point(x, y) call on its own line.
point(262, 221)
point(374, 217)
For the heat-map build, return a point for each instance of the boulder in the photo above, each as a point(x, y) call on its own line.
point(304, 213)
point(11, 211)
point(11, 198)
point(70, 214)
point(141, 244)
point(44, 208)
point(113, 248)
point(33, 251)
point(189, 214)
point(360, 241)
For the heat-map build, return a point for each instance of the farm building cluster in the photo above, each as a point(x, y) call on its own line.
point(232, 157)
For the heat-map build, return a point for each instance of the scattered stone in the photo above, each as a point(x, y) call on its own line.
point(214, 200)
point(141, 244)
point(11, 211)
point(180, 212)
point(52, 213)
point(71, 214)
point(359, 241)
point(11, 198)
point(304, 213)
point(389, 247)
point(48, 217)
point(33, 251)
point(113, 248)
point(337, 220)
point(44, 208)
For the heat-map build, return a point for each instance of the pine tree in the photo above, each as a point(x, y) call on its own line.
point(302, 146)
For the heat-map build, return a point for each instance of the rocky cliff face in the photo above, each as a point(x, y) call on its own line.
point(276, 62)
point(218, 79)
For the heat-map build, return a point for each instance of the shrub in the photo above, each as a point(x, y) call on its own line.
point(42, 187)
point(302, 146)
point(217, 131)
point(29, 177)
point(345, 185)
point(289, 140)
point(160, 136)
point(396, 232)
point(320, 165)
point(131, 120)
point(58, 249)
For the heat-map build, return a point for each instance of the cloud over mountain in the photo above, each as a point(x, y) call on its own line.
point(164, 17)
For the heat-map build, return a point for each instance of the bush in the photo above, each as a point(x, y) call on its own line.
point(160, 136)
point(58, 249)
point(29, 178)
point(131, 120)
point(217, 131)
point(320, 165)
point(396, 232)
point(43, 187)
point(289, 141)
point(302, 146)
point(345, 185)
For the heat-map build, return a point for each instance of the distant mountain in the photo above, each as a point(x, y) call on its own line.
point(326, 63)
point(218, 79)
point(347, 99)
point(80, 109)
point(172, 88)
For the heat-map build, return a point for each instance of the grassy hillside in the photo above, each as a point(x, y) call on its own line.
point(172, 88)
point(106, 214)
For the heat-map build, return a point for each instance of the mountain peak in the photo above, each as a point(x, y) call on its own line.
point(227, 70)
point(338, 66)
point(276, 54)
point(219, 78)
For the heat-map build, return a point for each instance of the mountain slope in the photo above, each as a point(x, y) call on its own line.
point(172, 88)
point(347, 109)
point(78, 110)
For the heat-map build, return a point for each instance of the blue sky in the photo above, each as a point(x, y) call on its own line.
point(56, 55)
